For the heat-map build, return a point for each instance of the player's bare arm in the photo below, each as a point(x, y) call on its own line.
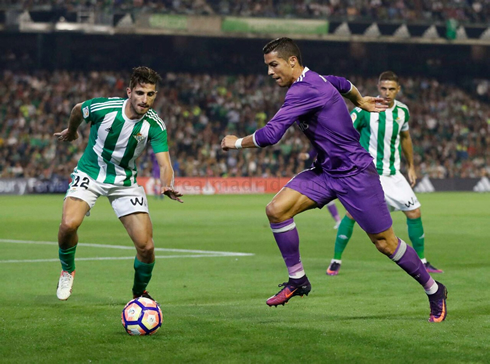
point(233, 142)
point(167, 176)
point(70, 134)
point(368, 103)
point(407, 149)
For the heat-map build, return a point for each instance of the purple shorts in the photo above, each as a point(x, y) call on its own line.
point(361, 195)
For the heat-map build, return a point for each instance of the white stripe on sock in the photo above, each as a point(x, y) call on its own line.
point(433, 289)
point(297, 275)
point(285, 228)
point(402, 248)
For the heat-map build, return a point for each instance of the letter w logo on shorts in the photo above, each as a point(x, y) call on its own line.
point(137, 201)
point(410, 203)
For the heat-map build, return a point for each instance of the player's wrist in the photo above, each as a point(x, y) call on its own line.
point(238, 143)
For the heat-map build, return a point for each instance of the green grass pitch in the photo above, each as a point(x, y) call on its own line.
point(214, 304)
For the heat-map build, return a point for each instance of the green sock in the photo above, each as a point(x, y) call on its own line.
point(142, 276)
point(343, 236)
point(416, 235)
point(67, 258)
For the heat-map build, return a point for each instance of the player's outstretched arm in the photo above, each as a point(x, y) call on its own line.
point(407, 149)
point(167, 176)
point(233, 142)
point(368, 103)
point(70, 134)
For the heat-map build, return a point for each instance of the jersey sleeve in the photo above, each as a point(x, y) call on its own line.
point(358, 118)
point(158, 139)
point(340, 83)
point(94, 110)
point(405, 126)
point(301, 99)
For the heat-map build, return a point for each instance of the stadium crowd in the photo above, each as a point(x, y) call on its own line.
point(450, 127)
point(475, 11)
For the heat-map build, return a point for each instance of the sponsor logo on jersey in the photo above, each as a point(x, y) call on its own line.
point(139, 137)
point(109, 129)
point(85, 112)
point(353, 116)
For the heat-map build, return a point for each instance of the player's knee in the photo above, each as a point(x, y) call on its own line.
point(69, 226)
point(274, 213)
point(382, 246)
point(147, 250)
point(387, 246)
point(414, 214)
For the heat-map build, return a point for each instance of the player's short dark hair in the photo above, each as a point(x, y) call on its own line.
point(388, 76)
point(285, 48)
point(144, 74)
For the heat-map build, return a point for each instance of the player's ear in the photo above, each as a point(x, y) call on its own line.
point(292, 61)
point(128, 91)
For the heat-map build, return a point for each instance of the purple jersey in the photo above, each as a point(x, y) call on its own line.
point(315, 103)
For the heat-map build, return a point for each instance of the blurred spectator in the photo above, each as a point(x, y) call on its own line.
point(464, 11)
point(450, 127)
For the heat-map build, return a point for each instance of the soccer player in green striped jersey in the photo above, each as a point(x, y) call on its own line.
point(385, 135)
point(119, 132)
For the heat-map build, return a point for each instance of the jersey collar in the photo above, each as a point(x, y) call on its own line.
point(125, 116)
point(303, 74)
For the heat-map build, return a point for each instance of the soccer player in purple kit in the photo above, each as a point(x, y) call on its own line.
point(343, 170)
point(156, 183)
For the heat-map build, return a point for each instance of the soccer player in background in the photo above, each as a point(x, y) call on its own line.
point(156, 183)
point(343, 170)
point(119, 132)
point(382, 135)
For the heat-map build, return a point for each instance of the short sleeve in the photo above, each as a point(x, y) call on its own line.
point(158, 139)
point(405, 126)
point(93, 108)
point(358, 120)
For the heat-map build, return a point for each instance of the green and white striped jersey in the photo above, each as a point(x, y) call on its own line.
point(116, 141)
point(380, 135)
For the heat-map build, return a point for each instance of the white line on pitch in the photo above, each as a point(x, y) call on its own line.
point(111, 258)
point(201, 252)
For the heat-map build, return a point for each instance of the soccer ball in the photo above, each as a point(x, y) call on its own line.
point(141, 316)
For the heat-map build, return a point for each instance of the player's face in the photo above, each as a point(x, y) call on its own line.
point(141, 98)
point(279, 69)
point(388, 91)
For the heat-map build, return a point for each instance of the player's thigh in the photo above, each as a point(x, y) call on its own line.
point(80, 197)
point(139, 227)
point(363, 197)
point(74, 210)
point(312, 184)
point(399, 195)
point(288, 203)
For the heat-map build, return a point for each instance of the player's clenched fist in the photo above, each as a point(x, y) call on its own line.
point(228, 142)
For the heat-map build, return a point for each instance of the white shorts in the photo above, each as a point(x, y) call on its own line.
point(399, 196)
point(125, 200)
